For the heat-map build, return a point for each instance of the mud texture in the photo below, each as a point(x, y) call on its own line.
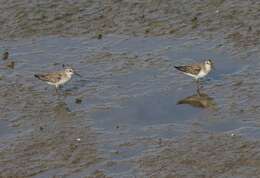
point(234, 20)
point(130, 114)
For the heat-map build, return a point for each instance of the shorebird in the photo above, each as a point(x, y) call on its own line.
point(197, 71)
point(57, 78)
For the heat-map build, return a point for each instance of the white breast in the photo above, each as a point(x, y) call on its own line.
point(202, 73)
point(63, 80)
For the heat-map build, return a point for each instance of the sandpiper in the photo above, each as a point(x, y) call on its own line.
point(198, 70)
point(57, 78)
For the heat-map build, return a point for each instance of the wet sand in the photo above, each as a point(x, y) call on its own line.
point(131, 114)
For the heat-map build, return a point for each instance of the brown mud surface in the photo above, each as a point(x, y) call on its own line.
point(131, 114)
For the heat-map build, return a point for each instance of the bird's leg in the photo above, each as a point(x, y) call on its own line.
point(198, 92)
point(198, 83)
point(198, 86)
point(56, 88)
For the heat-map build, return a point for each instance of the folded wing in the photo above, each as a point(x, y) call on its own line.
point(192, 69)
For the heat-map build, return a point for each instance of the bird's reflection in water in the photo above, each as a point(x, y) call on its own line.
point(61, 110)
point(200, 100)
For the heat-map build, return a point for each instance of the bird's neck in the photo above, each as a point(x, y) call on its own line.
point(207, 68)
point(69, 75)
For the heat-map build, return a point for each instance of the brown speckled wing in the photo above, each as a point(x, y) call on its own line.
point(50, 77)
point(192, 69)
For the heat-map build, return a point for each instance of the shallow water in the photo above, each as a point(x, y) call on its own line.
point(130, 94)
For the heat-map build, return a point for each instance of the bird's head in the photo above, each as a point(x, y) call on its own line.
point(209, 64)
point(70, 71)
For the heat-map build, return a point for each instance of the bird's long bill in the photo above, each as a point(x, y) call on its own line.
point(76, 73)
point(213, 65)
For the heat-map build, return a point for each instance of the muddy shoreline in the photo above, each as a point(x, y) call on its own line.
point(133, 118)
point(235, 21)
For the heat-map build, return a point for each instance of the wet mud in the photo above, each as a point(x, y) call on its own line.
point(131, 114)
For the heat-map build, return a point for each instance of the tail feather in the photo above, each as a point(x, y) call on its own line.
point(177, 67)
point(37, 76)
point(180, 68)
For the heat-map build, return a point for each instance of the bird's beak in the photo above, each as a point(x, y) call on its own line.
point(213, 66)
point(76, 73)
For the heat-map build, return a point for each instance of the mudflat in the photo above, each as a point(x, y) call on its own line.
point(131, 114)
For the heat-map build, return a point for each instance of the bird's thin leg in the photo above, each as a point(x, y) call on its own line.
point(198, 92)
point(56, 88)
point(198, 83)
point(198, 86)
